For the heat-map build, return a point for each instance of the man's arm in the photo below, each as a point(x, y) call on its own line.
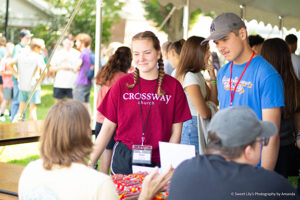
point(270, 152)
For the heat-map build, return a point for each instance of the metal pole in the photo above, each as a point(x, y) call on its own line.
point(98, 37)
point(167, 18)
point(186, 19)
point(243, 11)
point(6, 20)
point(281, 25)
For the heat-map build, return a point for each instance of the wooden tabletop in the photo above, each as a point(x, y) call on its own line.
point(9, 178)
point(21, 132)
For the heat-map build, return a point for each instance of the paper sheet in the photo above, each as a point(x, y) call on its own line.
point(173, 154)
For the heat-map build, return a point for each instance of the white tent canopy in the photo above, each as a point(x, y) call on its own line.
point(275, 12)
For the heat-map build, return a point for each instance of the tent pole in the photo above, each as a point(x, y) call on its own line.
point(186, 12)
point(98, 37)
point(281, 25)
point(167, 18)
point(243, 12)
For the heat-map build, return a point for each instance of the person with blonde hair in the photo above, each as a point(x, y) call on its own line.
point(145, 107)
point(30, 65)
point(83, 84)
point(62, 172)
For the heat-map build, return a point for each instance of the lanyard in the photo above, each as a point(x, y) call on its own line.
point(232, 95)
point(144, 126)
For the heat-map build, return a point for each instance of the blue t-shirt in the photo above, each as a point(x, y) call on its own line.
point(261, 86)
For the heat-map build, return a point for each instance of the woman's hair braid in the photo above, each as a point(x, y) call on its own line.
point(161, 74)
point(136, 75)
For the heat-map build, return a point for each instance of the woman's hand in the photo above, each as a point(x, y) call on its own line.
point(211, 70)
point(154, 183)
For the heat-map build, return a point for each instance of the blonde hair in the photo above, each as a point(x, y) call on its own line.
point(148, 35)
point(84, 38)
point(37, 42)
point(65, 137)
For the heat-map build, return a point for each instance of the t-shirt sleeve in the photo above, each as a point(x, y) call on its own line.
point(182, 111)
point(272, 94)
point(190, 79)
point(109, 105)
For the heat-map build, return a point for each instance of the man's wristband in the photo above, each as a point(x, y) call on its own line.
point(213, 82)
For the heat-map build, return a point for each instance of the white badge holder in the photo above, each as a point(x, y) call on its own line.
point(141, 154)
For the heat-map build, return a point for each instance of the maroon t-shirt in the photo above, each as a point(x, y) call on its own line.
point(122, 106)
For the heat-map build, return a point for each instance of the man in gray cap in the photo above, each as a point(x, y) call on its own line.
point(247, 79)
point(228, 171)
point(25, 38)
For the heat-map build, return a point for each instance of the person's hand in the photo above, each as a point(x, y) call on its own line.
point(211, 70)
point(154, 183)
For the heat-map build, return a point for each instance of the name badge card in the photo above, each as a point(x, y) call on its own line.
point(141, 154)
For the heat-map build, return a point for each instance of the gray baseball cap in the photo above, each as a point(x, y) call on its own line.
point(25, 33)
point(222, 25)
point(239, 125)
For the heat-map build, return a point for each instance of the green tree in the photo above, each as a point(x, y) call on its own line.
point(173, 27)
point(84, 21)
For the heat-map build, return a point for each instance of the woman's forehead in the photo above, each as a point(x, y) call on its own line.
point(142, 43)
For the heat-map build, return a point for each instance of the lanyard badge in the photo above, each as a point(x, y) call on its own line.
point(142, 153)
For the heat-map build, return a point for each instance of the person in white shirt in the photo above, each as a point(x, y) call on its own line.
point(63, 64)
point(62, 172)
point(291, 40)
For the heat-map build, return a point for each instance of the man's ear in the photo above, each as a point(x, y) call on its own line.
point(243, 33)
point(249, 153)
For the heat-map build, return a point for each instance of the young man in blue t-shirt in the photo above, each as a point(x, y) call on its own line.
point(247, 79)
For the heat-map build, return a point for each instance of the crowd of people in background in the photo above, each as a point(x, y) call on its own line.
point(172, 93)
point(22, 69)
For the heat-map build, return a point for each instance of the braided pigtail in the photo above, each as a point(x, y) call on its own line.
point(136, 75)
point(161, 74)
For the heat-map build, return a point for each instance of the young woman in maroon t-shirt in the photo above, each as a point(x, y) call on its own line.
point(144, 107)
